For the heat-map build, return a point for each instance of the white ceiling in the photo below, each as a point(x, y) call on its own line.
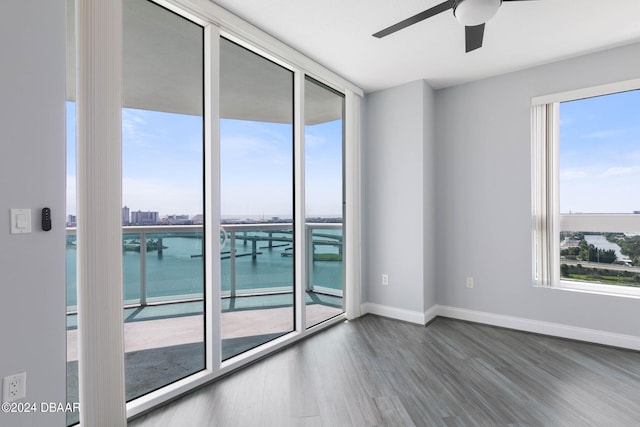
point(337, 34)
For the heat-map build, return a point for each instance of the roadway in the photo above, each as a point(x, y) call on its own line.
point(613, 267)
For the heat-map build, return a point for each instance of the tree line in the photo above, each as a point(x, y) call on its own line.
point(629, 245)
point(588, 252)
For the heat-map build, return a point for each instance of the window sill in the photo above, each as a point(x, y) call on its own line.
point(596, 288)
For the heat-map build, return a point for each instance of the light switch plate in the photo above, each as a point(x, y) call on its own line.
point(20, 221)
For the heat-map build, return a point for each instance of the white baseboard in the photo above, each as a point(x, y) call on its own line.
point(554, 329)
point(430, 314)
point(394, 313)
point(631, 342)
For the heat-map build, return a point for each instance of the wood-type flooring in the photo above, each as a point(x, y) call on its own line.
point(375, 371)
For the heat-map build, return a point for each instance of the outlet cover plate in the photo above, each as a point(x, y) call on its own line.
point(14, 387)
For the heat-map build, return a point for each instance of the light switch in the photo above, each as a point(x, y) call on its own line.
point(20, 221)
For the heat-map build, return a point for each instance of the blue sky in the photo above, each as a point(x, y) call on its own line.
point(161, 162)
point(257, 168)
point(600, 154)
point(323, 167)
point(162, 165)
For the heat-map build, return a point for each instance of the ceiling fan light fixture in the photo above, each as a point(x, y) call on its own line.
point(475, 12)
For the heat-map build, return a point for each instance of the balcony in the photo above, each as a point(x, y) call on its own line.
point(163, 284)
point(255, 261)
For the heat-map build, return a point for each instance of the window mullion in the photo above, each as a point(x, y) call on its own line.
point(213, 334)
point(352, 209)
point(300, 231)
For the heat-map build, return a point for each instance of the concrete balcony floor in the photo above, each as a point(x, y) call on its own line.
point(164, 343)
point(150, 331)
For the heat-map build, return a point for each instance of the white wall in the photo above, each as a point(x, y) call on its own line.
point(32, 175)
point(397, 197)
point(483, 214)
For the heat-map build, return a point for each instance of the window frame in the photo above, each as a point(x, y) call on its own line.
point(217, 22)
point(547, 221)
point(343, 196)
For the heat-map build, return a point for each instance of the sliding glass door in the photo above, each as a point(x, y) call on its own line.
point(218, 137)
point(256, 173)
point(324, 201)
point(162, 192)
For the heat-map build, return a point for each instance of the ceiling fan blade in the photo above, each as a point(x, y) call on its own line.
point(415, 19)
point(473, 37)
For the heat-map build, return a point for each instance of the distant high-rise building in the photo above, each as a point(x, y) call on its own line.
point(144, 218)
point(71, 220)
point(178, 219)
point(125, 216)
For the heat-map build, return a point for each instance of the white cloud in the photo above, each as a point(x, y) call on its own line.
point(566, 121)
point(572, 174)
point(604, 134)
point(312, 141)
point(132, 128)
point(71, 195)
point(615, 171)
point(165, 197)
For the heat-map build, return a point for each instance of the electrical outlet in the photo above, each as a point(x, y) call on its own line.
point(469, 282)
point(385, 279)
point(14, 387)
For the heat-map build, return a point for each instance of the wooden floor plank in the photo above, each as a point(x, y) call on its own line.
point(380, 372)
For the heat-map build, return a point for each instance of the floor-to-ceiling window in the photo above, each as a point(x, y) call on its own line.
point(324, 201)
point(214, 127)
point(71, 259)
point(162, 194)
point(70, 215)
point(257, 199)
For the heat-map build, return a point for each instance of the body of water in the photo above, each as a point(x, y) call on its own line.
point(601, 242)
point(179, 271)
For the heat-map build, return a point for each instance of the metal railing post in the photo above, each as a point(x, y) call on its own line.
point(143, 268)
point(231, 230)
point(310, 255)
point(232, 260)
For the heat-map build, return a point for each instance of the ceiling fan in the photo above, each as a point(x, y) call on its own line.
point(471, 13)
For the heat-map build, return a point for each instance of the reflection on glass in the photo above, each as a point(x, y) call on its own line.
point(324, 201)
point(604, 258)
point(70, 215)
point(162, 167)
point(256, 172)
point(599, 154)
point(71, 256)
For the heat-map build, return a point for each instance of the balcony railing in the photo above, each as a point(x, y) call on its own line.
point(164, 264)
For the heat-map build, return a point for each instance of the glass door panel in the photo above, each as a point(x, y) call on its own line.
point(72, 417)
point(324, 193)
point(256, 174)
point(162, 167)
